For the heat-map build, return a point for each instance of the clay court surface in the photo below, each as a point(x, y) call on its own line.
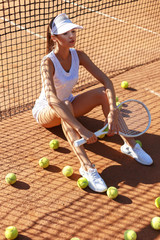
point(45, 205)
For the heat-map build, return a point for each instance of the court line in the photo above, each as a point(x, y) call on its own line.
point(114, 18)
point(153, 92)
point(22, 28)
point(83, 7)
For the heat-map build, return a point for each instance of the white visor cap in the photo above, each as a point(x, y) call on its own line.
point(62, 24)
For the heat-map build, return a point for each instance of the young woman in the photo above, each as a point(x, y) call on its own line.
point(56, 105)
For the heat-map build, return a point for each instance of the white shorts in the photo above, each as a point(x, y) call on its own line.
point(41, 104)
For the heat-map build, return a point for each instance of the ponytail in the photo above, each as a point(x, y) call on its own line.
point(50, 42)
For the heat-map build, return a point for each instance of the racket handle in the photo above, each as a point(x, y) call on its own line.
point(79, 142)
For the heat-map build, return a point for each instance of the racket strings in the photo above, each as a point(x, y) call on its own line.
point(133, 118)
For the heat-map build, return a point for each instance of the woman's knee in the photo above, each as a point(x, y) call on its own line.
point(69, 105)
point(48, 118)
point(101, 94)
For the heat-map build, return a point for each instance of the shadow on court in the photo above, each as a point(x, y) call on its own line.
point(21, 185)
point(20, 237)
point(148, 231)
point(129, 171)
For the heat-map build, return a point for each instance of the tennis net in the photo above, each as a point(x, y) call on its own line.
point(118, 35)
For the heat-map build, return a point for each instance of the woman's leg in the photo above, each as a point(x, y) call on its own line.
point(94, 98)
point(71, 136)
point(87, 101)
point(130, 141)
point(48, 118)
point(81, 105)
point(96, 183)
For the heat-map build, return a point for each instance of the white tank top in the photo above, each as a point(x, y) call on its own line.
point(63, 81)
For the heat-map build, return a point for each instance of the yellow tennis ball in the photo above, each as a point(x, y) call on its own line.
point(82, 182)
point(157, 202)
point(54, 144)
point(11, 232)
point(44, 162)
point(67, 171)
point(124, 84)
point(117, 103)
point(155, 223)
point(112, 192)
point(130, 235)
point(11, 178)
point(101, 136)
point(139, 142)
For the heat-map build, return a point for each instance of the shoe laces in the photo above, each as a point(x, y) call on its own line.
point(94, 175)
point(138, 149)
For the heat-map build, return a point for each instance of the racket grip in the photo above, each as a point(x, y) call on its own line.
point(79, 142)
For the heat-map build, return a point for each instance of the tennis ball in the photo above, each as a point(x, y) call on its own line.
point(44, 162)
point(139, 142)
point(124, 84)
point(117, 103)
point(82, 182)
point(112, 192)
point(101, 136)
point(130, 235)
point(54, 144)
point(11, 178)
point(157, 202)
point(11, 232)
point(67, 171)
point(155, 223)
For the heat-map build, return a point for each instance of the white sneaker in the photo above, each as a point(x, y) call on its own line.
point(137, 153)
point(95, 182)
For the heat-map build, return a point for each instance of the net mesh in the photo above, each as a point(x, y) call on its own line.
point(118, 35)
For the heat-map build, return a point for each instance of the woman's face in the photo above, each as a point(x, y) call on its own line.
point(67, 39)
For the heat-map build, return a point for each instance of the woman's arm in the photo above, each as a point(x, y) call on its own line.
point(100, 76)
point(107, 83)
point(47, 70)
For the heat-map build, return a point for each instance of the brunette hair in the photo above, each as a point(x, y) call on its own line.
point(50, 42)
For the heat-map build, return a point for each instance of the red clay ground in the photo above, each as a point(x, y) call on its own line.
point(44, 205)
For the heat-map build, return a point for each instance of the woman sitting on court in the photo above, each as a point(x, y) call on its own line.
point(56, 105)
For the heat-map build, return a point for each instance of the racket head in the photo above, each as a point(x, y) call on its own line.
point(135, 118)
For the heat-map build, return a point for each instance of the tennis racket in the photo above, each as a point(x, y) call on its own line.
point(134, 119)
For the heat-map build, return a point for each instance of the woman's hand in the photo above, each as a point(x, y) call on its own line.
point(89, 136)
point(113, 122)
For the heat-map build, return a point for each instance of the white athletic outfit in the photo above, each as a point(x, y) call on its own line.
point(63, 82)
